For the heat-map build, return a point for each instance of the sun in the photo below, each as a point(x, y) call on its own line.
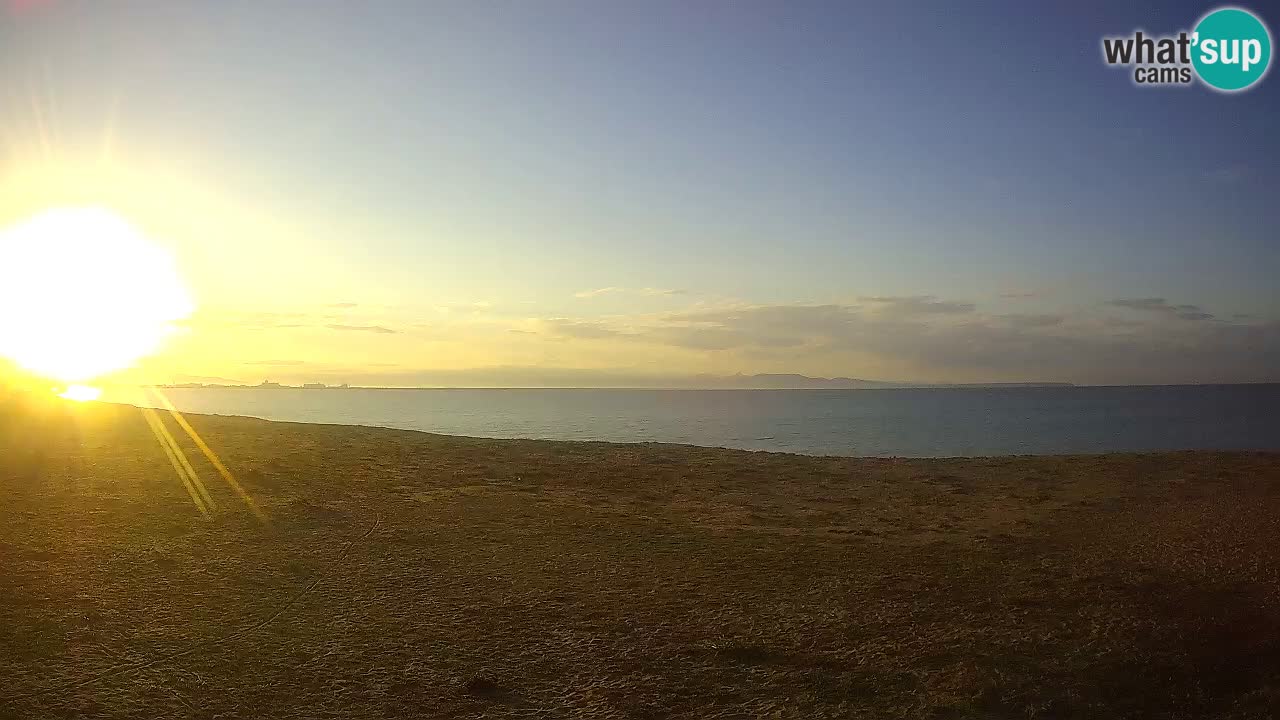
point(80, 393)
point(84, 294)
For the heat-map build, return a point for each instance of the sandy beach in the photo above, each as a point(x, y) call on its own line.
point(402, 574)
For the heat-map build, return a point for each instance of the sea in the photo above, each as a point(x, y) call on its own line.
point(933, 422)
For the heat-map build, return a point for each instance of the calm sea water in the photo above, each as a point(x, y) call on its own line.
point(907, 422)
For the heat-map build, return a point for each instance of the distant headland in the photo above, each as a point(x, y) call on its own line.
point(762, 381)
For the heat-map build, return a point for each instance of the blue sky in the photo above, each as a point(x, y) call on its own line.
point(467, 174)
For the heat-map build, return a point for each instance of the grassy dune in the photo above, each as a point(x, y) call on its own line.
point(408, 575)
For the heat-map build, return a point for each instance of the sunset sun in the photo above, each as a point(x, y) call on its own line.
point(83, 294)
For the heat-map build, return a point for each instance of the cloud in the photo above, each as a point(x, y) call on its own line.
point(644, 291)
point(1162, 306)
point(465, 308)
point(343, 305)
point(1030, 321)
point(911, 337)
point(927, 339)
point(580, 329)
point(597, 292)
point(699, 338)
point(917, 305)
point(787, 320)
point(280, 363)
point(251, 320)
point(1026, 295)
point(364, 328)
point(1150, 304)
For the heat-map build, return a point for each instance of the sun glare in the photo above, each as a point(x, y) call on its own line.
point(84, 294)
point(80, 393)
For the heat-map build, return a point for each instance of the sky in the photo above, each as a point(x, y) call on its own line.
point(423, 193)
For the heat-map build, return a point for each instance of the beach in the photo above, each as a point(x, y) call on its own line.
point(396, 574)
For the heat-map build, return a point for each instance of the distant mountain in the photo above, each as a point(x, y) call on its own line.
point(793, 381)
point(558, 378)
point(785, 381)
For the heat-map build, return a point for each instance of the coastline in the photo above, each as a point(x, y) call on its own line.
point(886, 423)
point(405, 572)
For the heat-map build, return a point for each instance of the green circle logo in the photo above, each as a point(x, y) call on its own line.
point(1232, 49)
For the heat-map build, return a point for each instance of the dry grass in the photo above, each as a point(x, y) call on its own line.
point(409, 575)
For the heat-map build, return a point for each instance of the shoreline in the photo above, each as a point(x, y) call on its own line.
point(1130, 451)
point(911, 423)
point(645, 443)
